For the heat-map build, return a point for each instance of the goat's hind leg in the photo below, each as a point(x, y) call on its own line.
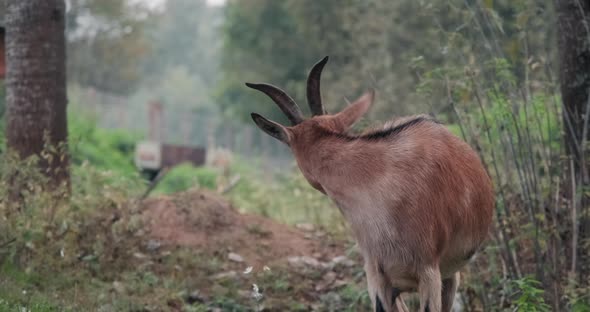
point(379, 289)
point(398, 301)
point(430, 290)
point(449, 288)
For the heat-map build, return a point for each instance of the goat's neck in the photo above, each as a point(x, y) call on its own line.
point(343, 167)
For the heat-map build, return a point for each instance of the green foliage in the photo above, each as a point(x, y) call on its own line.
point(45, 220)
point(287, 197)
point(102, 148)
point(530, 296)
point(45, 231)
point(6, 306)
point(186, 176)
point(357, 296)
point(107, 53)
point(259, 36)
point(373, 44)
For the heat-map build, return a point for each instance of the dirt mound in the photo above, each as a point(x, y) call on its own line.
point(204, 220)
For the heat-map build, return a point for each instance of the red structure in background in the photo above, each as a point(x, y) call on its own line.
point(175, 154)
point(153, 155)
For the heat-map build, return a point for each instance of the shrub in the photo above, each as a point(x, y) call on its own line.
point(106, 149)
point(530, 296)
point(43, 221)
point(186, 176)
point(286, 196)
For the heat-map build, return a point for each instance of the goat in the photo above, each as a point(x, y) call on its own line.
point(417, 198)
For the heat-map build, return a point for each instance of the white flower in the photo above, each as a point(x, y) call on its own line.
point(248, 270)
point(265, 268)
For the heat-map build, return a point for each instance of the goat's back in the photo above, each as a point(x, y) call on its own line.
point(422, 195)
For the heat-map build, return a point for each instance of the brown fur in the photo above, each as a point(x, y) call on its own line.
point(417, 197)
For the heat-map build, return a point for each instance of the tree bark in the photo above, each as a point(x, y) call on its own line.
point(574, 47)
point(36, 83)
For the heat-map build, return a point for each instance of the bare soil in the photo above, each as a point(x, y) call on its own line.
point(206, 221)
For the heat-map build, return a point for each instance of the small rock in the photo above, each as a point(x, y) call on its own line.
point(195, 297)
point(330, 277)
point(326, 282)
point(244, 293)
point(332, 298)
point(235, 257)
point(320, 234)
point(139, 255)
point(225, 275)
point(153, 245)
point(175, 304)
point(339, 283)
point(305, 261)
point(105, 308)
point(320, 287)
point(342, 260)
point(308, 227)
point(118, 287)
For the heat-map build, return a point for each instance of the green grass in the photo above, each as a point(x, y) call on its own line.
point(286, 197)
point(17, 292)
point(186, 176)
point(106, 149)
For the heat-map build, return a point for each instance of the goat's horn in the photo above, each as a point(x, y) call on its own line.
point(283, 100)
point(314, 96)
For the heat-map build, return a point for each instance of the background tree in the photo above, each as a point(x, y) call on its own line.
point(574, 48)
point(107, 44)
point(181, 66)
point(36, 82)
point(373, 44)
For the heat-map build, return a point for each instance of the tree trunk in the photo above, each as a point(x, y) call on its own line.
point(574, 47)
point(36, 83)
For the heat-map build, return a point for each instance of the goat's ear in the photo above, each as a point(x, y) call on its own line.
point(271, 128)
point(356, 110)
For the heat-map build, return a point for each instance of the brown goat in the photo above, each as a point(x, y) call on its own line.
point(417, 198)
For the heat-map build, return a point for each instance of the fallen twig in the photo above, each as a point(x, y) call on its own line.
point(8, 242)
point(232, 183)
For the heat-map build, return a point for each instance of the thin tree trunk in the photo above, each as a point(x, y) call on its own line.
point(36, 82)
point(574, 47)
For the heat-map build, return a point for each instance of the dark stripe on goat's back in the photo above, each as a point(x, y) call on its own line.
point(385, 133)
point(379, 134)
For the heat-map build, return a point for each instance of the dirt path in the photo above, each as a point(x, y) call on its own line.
point(204, 220)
